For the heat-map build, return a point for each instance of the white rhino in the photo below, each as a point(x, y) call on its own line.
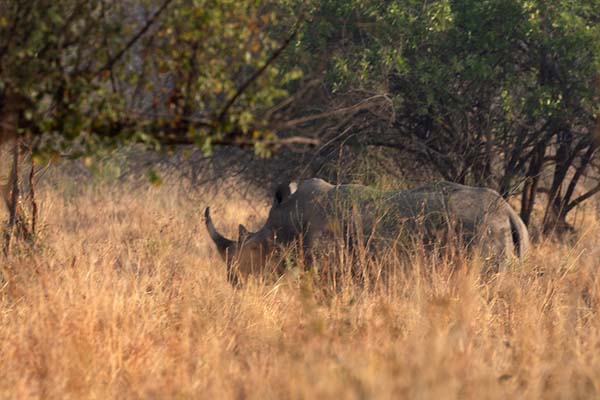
point(317, 210)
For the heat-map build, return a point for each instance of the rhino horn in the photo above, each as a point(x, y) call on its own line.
point(222, 243)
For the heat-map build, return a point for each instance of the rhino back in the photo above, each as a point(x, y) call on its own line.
point(426, 210)
point(381, 215)
point(320, 210)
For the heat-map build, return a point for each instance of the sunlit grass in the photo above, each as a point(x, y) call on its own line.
point(124, 296)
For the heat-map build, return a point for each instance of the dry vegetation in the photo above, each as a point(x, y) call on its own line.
point(125, 297)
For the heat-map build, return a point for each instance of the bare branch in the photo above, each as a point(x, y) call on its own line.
point(244, 142)
point(259, 71)
point(583, 198)
point(110, 63)
point(363, 105)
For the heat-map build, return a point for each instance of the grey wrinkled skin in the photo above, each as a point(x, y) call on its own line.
point(433, 213)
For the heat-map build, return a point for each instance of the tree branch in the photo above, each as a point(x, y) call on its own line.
point(243, 142)
point(112, 61)
point(583, 198)
point(363, 105)
point(259, 71)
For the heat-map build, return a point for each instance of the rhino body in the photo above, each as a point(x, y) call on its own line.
point(317, 211)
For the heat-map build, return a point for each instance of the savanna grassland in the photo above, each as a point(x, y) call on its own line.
point(124, 296)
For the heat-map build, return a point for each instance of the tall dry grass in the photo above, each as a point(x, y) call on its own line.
point(125, 297)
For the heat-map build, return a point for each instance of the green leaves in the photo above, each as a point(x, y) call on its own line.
point(177, 70)
point(203, 72)
point(479, 87)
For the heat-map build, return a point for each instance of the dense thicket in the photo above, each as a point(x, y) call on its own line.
point(502, 93)
point(497, 93)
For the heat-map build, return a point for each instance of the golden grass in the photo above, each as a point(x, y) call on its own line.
point(124, 297)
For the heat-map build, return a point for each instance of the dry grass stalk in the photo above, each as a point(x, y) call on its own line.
point(126, 298)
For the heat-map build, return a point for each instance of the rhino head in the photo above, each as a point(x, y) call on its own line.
point(244, 256)
point(250, 253)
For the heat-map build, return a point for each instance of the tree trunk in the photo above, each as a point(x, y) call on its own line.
point(10, 170)
point(531, 184)
point(554, 215)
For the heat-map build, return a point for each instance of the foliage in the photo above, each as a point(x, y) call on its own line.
point(490, 92)
point(102, 73)
point(494, 92)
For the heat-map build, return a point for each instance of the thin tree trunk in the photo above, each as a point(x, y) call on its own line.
point(533, 177)
point(10, 152)
point(34, 208)
point(555, 213)
point(12, 204)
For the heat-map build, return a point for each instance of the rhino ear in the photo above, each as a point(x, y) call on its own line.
point(282, 193)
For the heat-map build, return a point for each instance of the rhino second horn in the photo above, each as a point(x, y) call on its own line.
point(243, 232)
point(221, 242)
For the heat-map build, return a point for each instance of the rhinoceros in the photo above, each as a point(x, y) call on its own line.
point(318, 210)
